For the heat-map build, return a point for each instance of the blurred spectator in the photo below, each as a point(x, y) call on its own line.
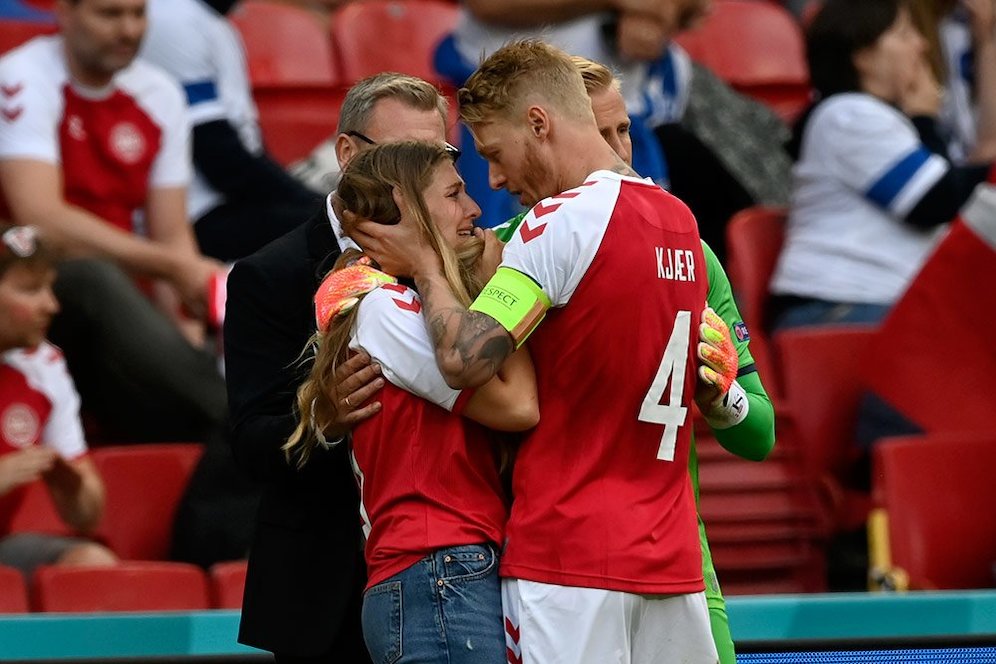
point(41, 437)
point(873, 189)
point(94, 149)
point(92, 139)
point(962, 54)
point(240, 197)
point(727, 159)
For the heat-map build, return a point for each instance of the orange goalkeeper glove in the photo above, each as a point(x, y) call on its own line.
point(720, 398)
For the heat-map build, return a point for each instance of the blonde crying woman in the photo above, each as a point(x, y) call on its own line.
point(432, 505)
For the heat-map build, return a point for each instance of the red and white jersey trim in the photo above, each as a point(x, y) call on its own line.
point(562, 246)
point(391, 329)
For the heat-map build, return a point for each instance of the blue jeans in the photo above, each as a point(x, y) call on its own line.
point(444, 609)
point(818, 312)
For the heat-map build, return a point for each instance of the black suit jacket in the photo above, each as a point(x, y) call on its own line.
point(305, 557)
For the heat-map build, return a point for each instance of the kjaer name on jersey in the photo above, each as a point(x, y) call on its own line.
point(675, 264)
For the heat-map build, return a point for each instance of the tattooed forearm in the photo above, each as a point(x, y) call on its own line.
point(470, 346)
point(481, 339)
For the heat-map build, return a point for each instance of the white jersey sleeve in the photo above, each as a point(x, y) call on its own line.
point(192, 60)
point(557, 240)
point(391, 329)
point(875, 149)
point(45, 370)
point(31, 101)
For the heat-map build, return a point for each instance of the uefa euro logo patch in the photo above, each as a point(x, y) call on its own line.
point(740, 329)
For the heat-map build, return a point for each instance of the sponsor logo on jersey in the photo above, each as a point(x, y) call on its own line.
point(19, 424)
point(740, 329)
point(127, 143)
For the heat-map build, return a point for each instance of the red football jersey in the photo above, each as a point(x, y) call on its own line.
point(602, 495)
point(428, 478)
point(38, 406)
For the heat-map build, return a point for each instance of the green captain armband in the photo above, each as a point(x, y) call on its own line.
point(515, 301)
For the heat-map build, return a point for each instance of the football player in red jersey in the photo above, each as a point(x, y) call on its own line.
point(604, 275)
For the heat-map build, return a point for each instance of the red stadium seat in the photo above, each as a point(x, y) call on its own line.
point(13, 592)
point(14, 33)
point(228, 582)
point(809, 12)
point(130, 586)
point(936, 491)
point(394, 35)
point(758, 49)
point(754, 238)
point(294, 75)
point(822, 367)
point(391, 35)
point(144, 484)
point(285, 45)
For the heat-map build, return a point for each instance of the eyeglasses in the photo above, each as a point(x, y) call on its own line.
point(453, 151)
point(22, 241)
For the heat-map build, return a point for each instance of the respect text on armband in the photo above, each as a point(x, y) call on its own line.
point(501, 296)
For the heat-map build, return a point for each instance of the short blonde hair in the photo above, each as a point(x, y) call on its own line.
point(596, 76)
point(515, 72)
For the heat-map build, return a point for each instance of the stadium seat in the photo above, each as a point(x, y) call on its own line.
point(395, 35)
point(295, 80)
point(754, 240)
point(821, 367)
point(285, 45)
point(809, 12)
point(13, 592)
point(228, 582)
point(14, 33)
point(758, 49)
point(130, 586)
point(144, 484)
point(391, 35)
point(936, 491)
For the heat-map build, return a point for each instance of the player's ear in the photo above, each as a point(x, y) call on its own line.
point(345, 149)
point(538, 121)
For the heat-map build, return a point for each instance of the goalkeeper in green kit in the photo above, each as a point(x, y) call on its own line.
point(730, 394)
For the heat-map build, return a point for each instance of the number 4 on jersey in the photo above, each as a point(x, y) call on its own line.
point(671, 369)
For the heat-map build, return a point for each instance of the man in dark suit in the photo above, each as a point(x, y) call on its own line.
point(304, 586)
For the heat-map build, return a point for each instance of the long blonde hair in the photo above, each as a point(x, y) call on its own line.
point(366, 189)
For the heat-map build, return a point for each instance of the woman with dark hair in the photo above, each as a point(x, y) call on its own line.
point(873, 188)
point(431, 504)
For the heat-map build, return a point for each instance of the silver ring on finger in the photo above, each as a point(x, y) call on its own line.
point(347, 402)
